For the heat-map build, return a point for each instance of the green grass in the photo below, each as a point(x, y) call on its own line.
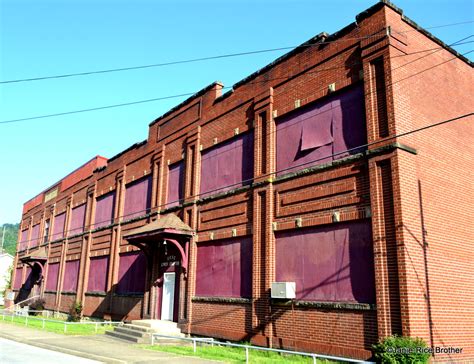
point(57, 327)
point(233, 355)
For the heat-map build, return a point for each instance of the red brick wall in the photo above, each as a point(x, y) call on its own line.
point(386, 188)
point(435, 199)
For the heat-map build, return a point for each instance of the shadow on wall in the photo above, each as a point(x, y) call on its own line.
point(31, 285)
point(120, 302)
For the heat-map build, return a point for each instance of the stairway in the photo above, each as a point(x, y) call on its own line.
point(139, 331)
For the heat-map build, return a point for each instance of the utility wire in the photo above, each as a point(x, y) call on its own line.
point(272, 174)
point(192, 93)
point(192, 60)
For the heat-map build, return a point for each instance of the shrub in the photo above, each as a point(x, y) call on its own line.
point(75, 312)
point(403, 350)
point(37, 305)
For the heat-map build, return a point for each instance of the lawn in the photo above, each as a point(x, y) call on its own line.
point(234, 355)
point(57, 327)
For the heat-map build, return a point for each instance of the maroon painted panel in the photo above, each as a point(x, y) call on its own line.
point(28, 283)
point(58, 231)
point(78, 215)
point(17, 282)
point(53, 274)
point(24, 240)
point(34, 240)
point(71, 273)
point(225, 166)
point(98, 274)
point(175, 184)
point(330, 263)
point(349, 127)
point(104, 210)
point(313, 134)
point(224, 268)
point(137, 198)
point(132, 273)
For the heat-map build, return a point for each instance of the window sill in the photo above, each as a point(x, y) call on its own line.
point(325, 305)
point(221, 299)
point(96, 294)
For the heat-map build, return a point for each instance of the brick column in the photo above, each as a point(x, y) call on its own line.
point(157, 169)
point(86, 242)
point(116, 238)
point(263, 273)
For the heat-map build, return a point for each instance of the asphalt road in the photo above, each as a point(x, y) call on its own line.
point(12, 352)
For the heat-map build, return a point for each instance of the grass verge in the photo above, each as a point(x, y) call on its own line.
point(234, 355)
point(56, 327)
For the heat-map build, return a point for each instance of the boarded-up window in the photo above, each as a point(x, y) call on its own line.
point(35, 232)
point(137, 198)
point(132, 273)
point(53, 274)
point(58, 230)
point(71, 273)
point(330, 263)
point(28, 283)
point(104, 210)
point(24, 240)
point(17, 282)
point(175, 184)
point(228, 165)
point(78, 215)
point(224, 268)
point(98, 274)
point(322, 132)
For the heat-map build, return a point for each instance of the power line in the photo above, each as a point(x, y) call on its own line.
point(192, 93)
point(271, 174)
point(208, 58)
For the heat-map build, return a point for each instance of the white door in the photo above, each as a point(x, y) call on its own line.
point(167, 301)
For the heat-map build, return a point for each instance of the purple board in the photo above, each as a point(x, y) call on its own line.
point(28, 284)
point(53, 274)
point(98, 274)
point(224, 268)
point(175, 184)
point(58, 231)
point(311, 136)
point(225, 166)
point(24, 240)
point(71, 273)
point(329, 263)
point(78, 215)
point(17, 282)
point(104, 210)
point(132, 273)
point(137, 198)
point(34, 240)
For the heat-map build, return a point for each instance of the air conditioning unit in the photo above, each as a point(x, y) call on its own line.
point(283, 290)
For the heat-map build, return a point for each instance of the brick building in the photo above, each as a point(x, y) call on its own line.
point(296, 175)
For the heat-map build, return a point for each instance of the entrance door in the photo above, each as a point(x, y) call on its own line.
point(167, 301)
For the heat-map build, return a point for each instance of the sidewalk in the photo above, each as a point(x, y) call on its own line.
point(99, 347)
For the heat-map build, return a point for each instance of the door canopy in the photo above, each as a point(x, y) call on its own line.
point(169, 228)
point(38, 257)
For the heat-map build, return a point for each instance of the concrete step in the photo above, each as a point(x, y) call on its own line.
point(172, 330)
point(126, 337)
point(139, 328)
point(132, 332)
point(157, 324)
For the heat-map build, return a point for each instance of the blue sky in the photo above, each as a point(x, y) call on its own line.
point(41, 38)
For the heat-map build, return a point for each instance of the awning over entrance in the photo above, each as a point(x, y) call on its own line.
point(168, 224)
point(169, 228)
point(38, 257)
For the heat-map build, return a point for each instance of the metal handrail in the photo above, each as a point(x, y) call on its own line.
point(251, 347)
point(16, 305)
